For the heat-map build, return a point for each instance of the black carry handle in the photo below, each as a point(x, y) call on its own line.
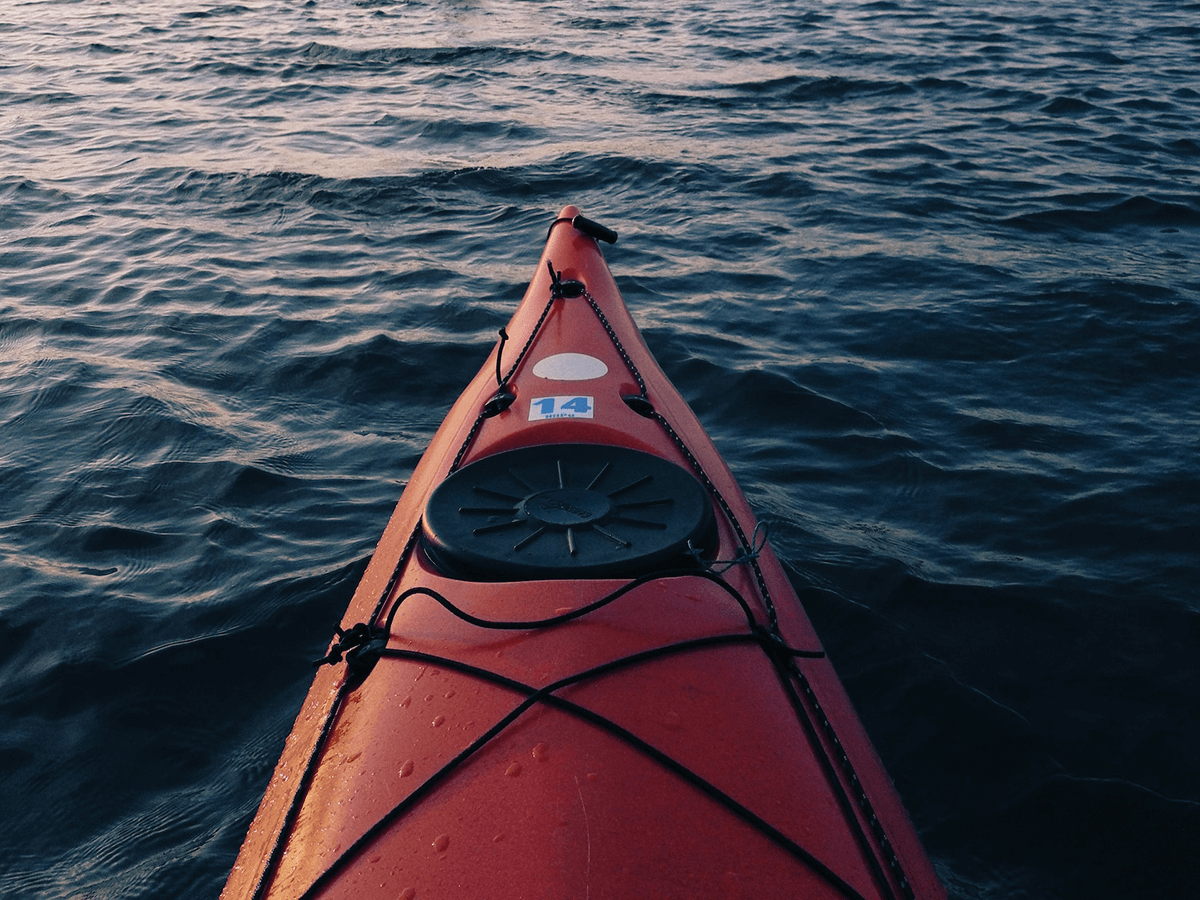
point(594, 229)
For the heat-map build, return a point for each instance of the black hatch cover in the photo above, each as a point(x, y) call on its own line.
point(567, 511)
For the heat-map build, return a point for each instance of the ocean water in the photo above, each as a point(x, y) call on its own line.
point(928, 271)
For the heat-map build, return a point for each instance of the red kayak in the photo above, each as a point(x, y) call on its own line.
point(574, 668)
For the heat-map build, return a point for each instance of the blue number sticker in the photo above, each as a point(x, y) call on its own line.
point(561, 408)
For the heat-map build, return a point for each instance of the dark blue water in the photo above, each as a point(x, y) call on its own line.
point(927, 271)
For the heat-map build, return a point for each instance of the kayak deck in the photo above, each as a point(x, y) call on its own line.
point(563, 676)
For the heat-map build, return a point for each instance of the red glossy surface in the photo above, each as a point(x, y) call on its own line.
point(554, 805)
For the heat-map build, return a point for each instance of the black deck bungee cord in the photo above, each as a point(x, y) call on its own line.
point(548, 696)
point(361, 635)
point(783, 658)
point(534, 624)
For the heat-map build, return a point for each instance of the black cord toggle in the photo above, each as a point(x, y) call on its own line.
point(560, 289)
point(361, 645)
point(640, 404)
point(498, 404)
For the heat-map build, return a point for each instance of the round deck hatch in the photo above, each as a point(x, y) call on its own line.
point(567, 511)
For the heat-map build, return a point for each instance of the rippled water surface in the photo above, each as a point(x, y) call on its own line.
point(927, 271)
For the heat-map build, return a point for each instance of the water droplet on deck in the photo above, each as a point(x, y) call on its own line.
point(438, 720)
point(441, 842)
point(407, 894)
point(404, 703)
point(514, 770)
point(449, 694)
point(540, 751)
point(406, 769)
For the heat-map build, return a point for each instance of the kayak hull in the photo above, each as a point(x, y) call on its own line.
point(628, 723)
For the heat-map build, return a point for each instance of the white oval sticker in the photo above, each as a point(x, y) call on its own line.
point(570, 367)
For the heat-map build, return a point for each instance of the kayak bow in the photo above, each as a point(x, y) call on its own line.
point(574, 667)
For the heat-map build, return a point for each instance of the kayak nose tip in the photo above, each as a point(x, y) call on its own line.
point(569, 212)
